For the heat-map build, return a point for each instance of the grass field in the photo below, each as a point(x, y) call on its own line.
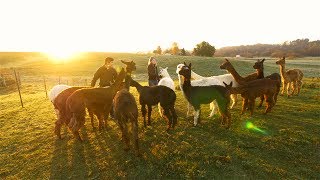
point(288, 145)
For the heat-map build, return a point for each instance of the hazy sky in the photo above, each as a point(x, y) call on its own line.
point(140, 25)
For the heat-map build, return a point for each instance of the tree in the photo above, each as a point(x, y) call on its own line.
point(175, 48)
point(158, 50)
point(183, 52)
point(204, 49)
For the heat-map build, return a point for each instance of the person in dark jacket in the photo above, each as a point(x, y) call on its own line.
point(153, 72)
point(106, 73)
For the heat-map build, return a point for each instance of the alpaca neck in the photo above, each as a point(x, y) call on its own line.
point(127, 81)
point(260, 73)
point(186, 86)
point(283, 71)
point(137, 85)
point(236, 75)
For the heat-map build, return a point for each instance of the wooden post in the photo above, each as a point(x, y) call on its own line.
point(45, 86)
point(15, 74)
point(19, 78)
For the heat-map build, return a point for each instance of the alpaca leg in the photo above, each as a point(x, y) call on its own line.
point(100, 118)
point(293, 87)
point(284, 84)
point(135, 132)
point(270, 104)
point(190, 108)
point(160, 110)
point(196, 116)
point(149, 114)
point(261, 101)
point(288, 89)
point(78, 123)
point(299, 84)
point(91, 118)
point(57, 129)
point(124, 131)
point(244, 105)
point(234, 100)
point(168, 117)
point(251, 105)
point(213, 107)
point(144, 112)
point(174, 116)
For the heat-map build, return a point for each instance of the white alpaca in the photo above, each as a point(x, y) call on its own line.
point(166, 80)
point(54, 92)
point(207, 81)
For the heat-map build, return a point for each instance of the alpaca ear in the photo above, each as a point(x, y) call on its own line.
point(226, 59)
point(231, 84)
point(283, 57)
point(225, 84)
point(184, 63)
point(166, 68)
point(263, 60)
point(190, 65)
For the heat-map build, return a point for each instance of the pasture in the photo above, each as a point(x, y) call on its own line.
point(286, 144)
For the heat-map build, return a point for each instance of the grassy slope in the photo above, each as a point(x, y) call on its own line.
point(290, 148)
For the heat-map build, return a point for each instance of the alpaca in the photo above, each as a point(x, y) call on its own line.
point(258, 75)
point(260, 72)
point(197, 95)
point(125, 112)
point(99, 100)
point(291, 76)
point(165, 81)
point(54, 92)
point(152, 95)
point(207, 81)
point(251, 90)
point(60, 107)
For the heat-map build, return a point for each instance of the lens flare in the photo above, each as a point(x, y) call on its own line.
point(250, 126)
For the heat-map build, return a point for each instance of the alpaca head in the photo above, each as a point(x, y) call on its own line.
point(282, 61)
point(119, 79)
point(131, 66)
point(179, 67)
point(259, 64)
point(226, 65)
point(185, 71)
point(164, 72)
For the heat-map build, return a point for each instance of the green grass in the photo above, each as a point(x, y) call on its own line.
point(289, 148)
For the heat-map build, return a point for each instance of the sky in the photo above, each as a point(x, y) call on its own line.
point(142, 25)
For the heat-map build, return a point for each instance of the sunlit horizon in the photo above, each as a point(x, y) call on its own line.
point(71, 26)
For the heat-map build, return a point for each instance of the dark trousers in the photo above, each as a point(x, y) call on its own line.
point(153, 82)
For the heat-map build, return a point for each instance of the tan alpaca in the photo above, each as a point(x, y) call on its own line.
point(291, 77)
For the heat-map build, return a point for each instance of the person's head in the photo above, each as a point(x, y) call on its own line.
point(152, 60)
point(108, 61)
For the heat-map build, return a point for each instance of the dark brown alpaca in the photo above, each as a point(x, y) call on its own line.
point(98, 100)
point(126, 110)
point(60, 104)
point(257, 88)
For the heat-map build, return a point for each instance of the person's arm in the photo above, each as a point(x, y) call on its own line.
point(96, 76)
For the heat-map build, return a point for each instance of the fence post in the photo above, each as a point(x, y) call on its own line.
point(19, 78)
point(45, 86)
point(15, 74)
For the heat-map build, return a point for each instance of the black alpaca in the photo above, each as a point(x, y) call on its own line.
point(152, 95)
point(197, 95)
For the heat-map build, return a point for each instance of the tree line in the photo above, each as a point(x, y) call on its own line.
point(290, 49)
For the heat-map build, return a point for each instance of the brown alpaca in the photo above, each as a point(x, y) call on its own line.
point(258, 75)
point(126, 110)
point(241, 80)
point(251, 90)
point(291, 77)
point(60, 104)
point(98, 100)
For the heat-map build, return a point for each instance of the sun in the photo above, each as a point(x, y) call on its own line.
point(60, 55)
